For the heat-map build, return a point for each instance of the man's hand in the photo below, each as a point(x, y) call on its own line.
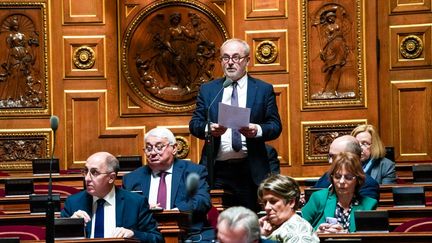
point(81, 214)
point(217, 130)
point(121, 232)
point(249, 132)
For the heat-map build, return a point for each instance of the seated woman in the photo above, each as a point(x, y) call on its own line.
point(372, 158)
point(332, 210)
point(280, 196)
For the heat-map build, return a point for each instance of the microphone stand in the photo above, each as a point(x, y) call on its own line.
point(209, 151)
point(49, 232)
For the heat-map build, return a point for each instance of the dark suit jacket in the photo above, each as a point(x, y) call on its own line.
point(199, 203)
point(132, 212)
point(370, 187)
point(261, 100)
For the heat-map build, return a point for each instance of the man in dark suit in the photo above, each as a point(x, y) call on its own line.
point(110, 212)
point(348, 143)
point(183, 192)
point(241, 161)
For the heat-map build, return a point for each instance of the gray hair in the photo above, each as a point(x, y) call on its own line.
point(112, 163)
point(161, 132)
point(246, 46)
point(353, 147)
point(284, 186)
point(241, 217)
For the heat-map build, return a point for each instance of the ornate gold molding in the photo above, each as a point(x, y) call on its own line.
point(411, 47)
point(182, 147)
point(266, 52)
point(84, 57)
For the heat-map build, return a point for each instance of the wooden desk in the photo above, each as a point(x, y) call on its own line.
point(19, 205)
point(171, 223)
point(399, 215)
point(394, 237)
point(109, 240)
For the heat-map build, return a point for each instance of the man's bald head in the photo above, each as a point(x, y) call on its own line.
point(345, 143)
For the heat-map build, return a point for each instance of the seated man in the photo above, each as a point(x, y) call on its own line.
point(110, 212)
point(348, 143)
point(163, 170)
point(239, 225)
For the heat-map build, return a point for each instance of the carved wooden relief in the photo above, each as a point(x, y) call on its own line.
point(333, 57)
point(410, 46)
point(23, 59)
point(168, 50)
point(18, 149)
point(317, 137)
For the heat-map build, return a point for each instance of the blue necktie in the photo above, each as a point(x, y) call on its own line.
point(99, 224)
point(235, 136)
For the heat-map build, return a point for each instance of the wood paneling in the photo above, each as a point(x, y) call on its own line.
point(266, 9)
point(83, 11)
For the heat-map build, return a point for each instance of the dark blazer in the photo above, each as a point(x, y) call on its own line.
point(383, 171)
point(262, 102)
point(370, 187)
point(132, 212)
point(199, 203)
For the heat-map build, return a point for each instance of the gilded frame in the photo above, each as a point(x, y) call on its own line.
point(24, 27)
point(319, 72)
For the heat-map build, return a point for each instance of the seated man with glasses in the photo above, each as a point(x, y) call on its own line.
point(171, 183)
point(348, 143)
point(332, 210)
point(108, 211)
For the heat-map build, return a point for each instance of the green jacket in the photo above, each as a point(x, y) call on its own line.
point(322, 204)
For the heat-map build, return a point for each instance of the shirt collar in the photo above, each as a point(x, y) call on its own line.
point(109, 198)
point(169, 171)
point(242, 81)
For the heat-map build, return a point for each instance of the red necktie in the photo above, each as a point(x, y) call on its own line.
point(162, 190)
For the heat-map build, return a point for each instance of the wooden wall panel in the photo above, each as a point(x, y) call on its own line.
point(401, 6)
point(83, 11)
point(266, 9)
point(413, 119)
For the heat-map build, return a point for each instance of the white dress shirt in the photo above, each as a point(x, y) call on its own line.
point(154, 186)
point(109, 214)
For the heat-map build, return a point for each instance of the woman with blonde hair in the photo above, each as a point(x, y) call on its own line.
point(373, 158)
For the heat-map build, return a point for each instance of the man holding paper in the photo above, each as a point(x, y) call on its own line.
point(246, 118)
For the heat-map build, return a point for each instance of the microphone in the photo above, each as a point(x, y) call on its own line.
point(192, 183)
point(49, 233)
point(209, 137)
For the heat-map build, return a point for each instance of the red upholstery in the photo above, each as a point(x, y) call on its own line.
point(24, 232)
point(62, 190)
point(416, 225)
point(212, 217)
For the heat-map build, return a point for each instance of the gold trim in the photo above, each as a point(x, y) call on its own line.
point(84, 57)
point(183, 147)
point(411, 47)
point(266, 52)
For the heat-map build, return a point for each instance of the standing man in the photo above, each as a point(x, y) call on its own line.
point(241, 161)
point(108, 211)
point(184, 182)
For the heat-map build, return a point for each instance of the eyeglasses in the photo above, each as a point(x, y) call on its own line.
point(235, 58)
point(347, 177)
point(93, 172)
point(158, 148)
point(365, 144)
point(330, 156)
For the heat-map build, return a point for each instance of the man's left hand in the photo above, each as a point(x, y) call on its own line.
point(121, 232)
point(249, 132)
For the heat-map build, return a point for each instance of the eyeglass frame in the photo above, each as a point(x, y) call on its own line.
point(365, 145)
point(240, 58)
point(93, 172)
point(346, 177)
point(154, 148)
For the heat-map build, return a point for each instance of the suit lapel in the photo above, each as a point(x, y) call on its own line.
point(251, 93)
point(119, 207)
point(215, 106)
point(330, 206)
point(176, 176)
point(88, 202)
point(145, 184)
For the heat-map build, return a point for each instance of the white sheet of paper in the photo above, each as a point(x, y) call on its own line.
point(233, 116)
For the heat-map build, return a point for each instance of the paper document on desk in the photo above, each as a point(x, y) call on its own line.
point(233, 116)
